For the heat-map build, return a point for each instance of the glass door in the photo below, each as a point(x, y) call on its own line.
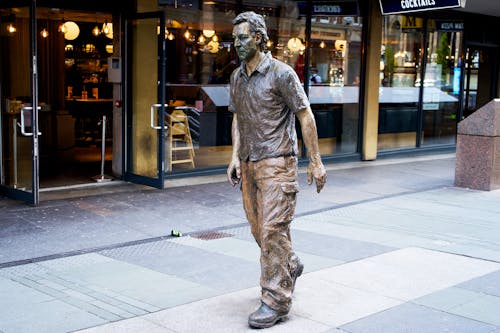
point(399, 96)
point(19, 104)
point(441, 85)
point(480, 70)
point(145, 103)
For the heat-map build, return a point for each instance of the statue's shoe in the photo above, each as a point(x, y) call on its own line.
point(265, 317)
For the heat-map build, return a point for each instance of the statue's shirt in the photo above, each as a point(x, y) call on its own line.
point(265, 103)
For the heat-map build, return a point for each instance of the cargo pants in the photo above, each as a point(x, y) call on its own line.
point(269, 189)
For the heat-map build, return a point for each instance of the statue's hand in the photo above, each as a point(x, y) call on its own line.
point(234, 172)
point(317, 171)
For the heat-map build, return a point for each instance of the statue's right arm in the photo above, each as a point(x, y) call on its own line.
point(234, 169)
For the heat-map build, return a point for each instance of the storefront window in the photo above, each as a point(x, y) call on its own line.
point(471, 78)
point(442, 83)
point(401, 60)
point(201, 57)
point(401, 66)
point(334, 81)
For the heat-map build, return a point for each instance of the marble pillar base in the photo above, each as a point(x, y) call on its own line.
point(478, 162)
point(478, 149)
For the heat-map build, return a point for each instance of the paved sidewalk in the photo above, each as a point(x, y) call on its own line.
point(391, 246)
point(122, 213)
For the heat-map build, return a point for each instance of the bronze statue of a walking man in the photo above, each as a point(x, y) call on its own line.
point(265, 97)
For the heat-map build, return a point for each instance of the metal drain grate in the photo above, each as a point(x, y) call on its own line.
point(211, 235)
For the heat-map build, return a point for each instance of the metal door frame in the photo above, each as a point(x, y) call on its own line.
point(159, 105)
point(14, 193)
point(493, 48)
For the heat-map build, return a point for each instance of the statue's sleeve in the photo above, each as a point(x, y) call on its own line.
point(232, 82)
point(292, 91)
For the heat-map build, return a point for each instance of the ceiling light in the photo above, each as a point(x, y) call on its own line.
point(62, 28)
point(105, 27)
point(340, 45)
point(89, 48)
point(71, 30)
point(208, 33)
point(11, 28)
point(294, 44)
point(96, 31)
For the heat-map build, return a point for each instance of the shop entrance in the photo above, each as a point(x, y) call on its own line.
point(19, 109)
point(480, 82)
point(54, 96)
point(73, 83)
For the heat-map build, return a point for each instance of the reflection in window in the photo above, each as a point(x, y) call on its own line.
point(441, 85)
point(201, 58)
point(334, 81)
point(401, 57)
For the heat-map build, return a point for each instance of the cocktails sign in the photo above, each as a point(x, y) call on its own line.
point(406, 6)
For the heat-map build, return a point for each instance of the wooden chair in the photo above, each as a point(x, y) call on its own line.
point(180, 142)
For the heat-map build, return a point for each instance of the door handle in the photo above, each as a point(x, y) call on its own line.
point(22, 125)
point(153, 110)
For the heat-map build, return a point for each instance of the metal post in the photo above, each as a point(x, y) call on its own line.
point(102, 178)
point(14, 150)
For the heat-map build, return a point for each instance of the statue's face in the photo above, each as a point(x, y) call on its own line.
point(245, 43)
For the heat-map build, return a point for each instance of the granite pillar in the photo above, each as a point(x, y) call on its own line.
point(478, 149)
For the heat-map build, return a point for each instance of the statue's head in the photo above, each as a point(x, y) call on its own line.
point(256, 25)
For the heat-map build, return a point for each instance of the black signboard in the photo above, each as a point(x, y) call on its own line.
point(330, 8)
point(190, 4)
point(406, 6)
point(449, 25)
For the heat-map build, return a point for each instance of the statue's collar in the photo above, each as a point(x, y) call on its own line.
point(262, 67)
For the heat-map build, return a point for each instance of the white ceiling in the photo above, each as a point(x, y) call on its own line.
point(485, 7)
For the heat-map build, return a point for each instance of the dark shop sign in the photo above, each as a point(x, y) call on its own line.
point(449, 25)
point(330, 8)
point(406, 6)
point(187, 4)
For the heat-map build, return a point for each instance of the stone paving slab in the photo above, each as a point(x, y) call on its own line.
point(485, 309)
point(488, 284)
point(86, 290)
point(133, 325)
point(356, 293)
point(227, 313)
point(208, 268)
point(249, 251)
point(447, 299)
point(334, 247)
point(39, 317)
point(408, 273)
point(334, 304)
point(465, 303)
point(411, 318)
point(408, 220)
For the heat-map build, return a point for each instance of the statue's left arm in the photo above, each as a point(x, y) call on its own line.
point(315, 169)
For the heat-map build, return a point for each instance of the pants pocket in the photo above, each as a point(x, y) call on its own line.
point(290, 190)
point(290, 187)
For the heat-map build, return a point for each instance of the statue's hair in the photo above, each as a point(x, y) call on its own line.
point(256, 23)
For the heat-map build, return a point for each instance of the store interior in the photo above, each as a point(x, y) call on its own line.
point(73, 92)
